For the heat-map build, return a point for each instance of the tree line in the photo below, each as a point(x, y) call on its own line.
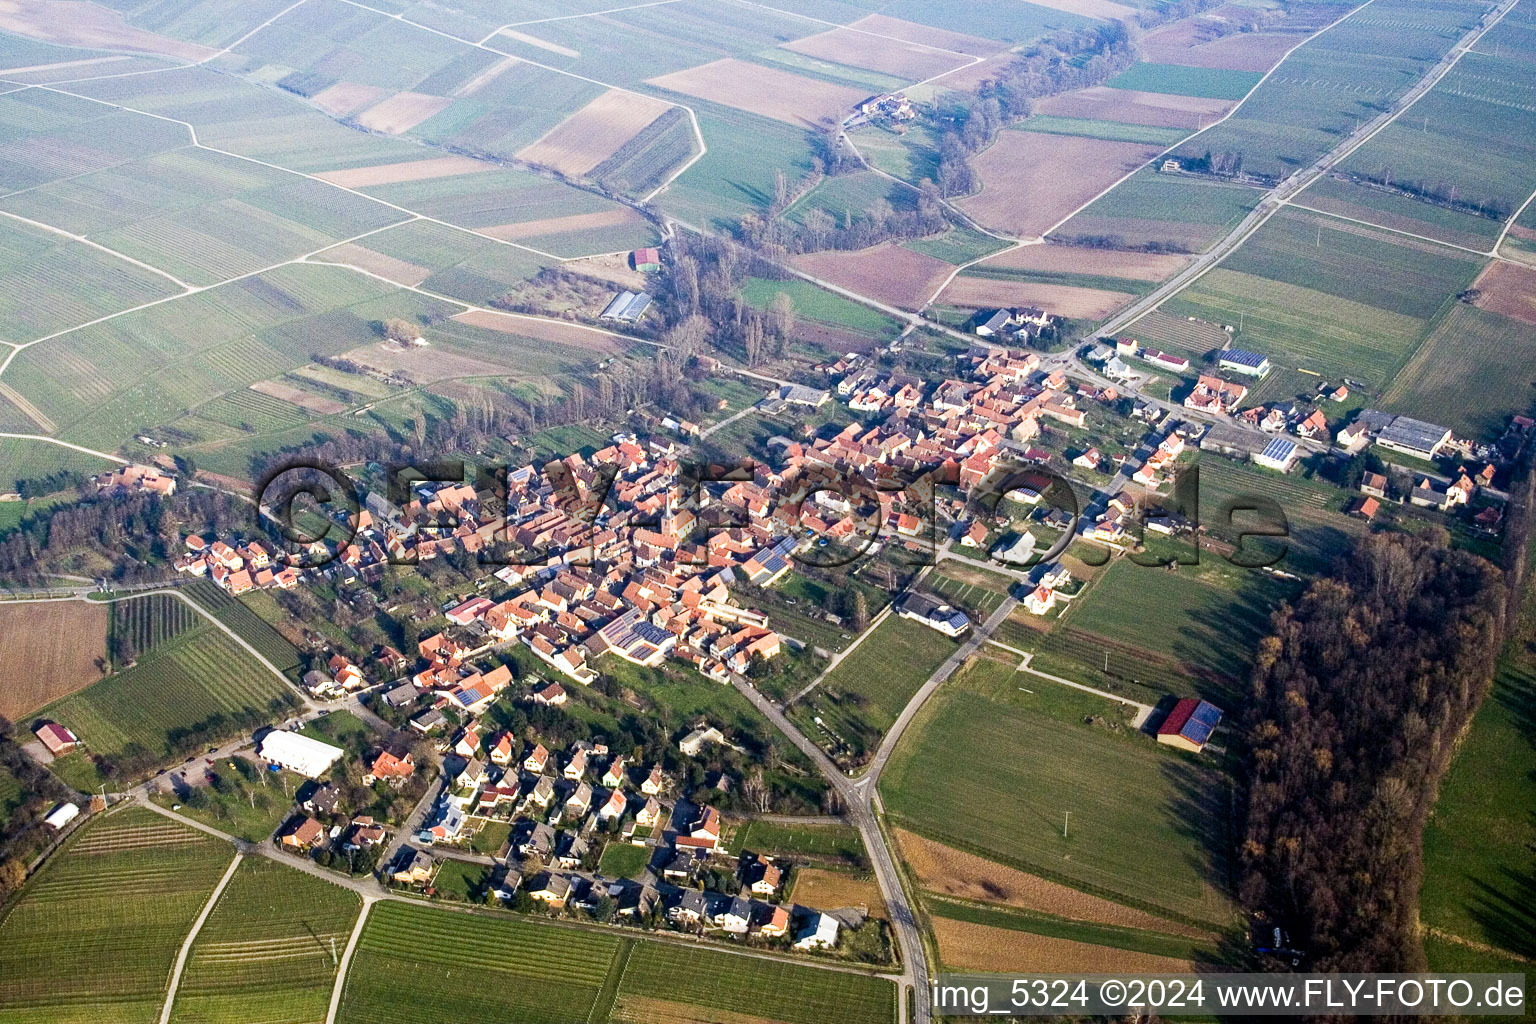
point(1359, 697)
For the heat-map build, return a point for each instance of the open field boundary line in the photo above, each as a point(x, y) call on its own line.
point(197, 926)
point(17, 347)
point(1499, 243)
point(693, 118)
point(64, 444)
point(97, 245)
point(1382, 227)
point(569, 17)
point(339, 986)
point(192, 130)
point(878, 35)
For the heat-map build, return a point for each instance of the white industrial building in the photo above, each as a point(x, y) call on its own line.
point(298, 753)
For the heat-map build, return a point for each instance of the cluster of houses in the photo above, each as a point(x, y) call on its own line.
point(238, 568)
point(1017, 326)
point(893, 107)
point(135, 479)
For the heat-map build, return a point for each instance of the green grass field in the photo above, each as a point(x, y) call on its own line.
point(30, 460)
point(623, 860)
point(1184, 214)
point(814, 303)
point(1362, 201)
point(180, 684)
point(1472, 371)
point(957, 245)
point(736, 175)
point(862, 697)
point(249, 811)
point(415, 957)
point(994, 770)
point(1111, 131)
point(94, 935)
point(266, 951)
point(838, 843)
point(1207, 627)
point(911, 157)
point(852, 195)
point(1317, 294)
point(768, 990)
point(1478, 882)
point(1209, 83)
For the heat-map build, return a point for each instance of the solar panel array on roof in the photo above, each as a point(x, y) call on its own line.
point(1243, 357)
point(1418, 435)
point(1279, 449)
point(1201, 723)
point(651, 633)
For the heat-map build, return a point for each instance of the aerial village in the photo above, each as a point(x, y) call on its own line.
point(616, 553)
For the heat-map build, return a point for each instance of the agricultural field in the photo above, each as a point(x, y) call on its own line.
point(1128, 109)
point(813, 303)
point(982, 288)
point(94, 935)
point(1109, 131)
point(1178, 214)
point(1207, 624)
point(49, 283)
point(860, 700)
point(852, 196)
point(590, 136)
point(1472, 371)
point(413, 956)
point(911, 157)
point(63, 645)
point(957, 245)
point(1030, 181)
point(1327, 296)
point(225, 217)
point(834, 888)
point(108, 382)
point(180, 684)
point(894, 274)
point(268, 642)
point(1051, 751)
point(736, 175)
point(144, 623)
point(1102, 937)
point(1482, 105)
point(268, 950)
point(1374, 204)
point(731, 986)
point(1335, 81)
point(1183, 80)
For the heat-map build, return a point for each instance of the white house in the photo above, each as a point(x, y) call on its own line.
point(819, 932)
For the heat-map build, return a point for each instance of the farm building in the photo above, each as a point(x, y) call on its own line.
point(297, 753)
point(1278, 454)
point(1414, 437)
point(61, 815)
point(1190, 724)
point(946, 619)
point(799, 394)
point(1166, 360)
point(646, 260)
point(57, 738)
point(1238, 360)
point(626, 307)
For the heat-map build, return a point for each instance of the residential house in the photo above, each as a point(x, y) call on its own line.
point(818, 932)
point(303, 834)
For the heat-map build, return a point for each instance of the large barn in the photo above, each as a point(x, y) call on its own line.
point(1190, 724)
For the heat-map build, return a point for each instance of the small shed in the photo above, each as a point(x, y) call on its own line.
point(647, 261)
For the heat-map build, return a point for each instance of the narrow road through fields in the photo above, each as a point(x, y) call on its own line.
point(197, 926)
